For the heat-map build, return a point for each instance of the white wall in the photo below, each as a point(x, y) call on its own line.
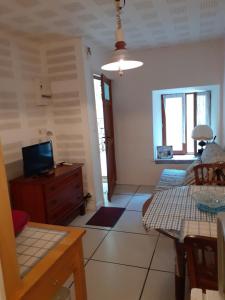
point(20, 117)
point(70, 114)
point(170, 67)
point(92, 65)
point(72, 101)
point(97, 58)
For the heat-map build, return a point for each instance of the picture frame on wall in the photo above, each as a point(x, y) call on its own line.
point(164, 152)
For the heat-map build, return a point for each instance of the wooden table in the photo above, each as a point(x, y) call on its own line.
point(44, 280)
point(159, 213)
point(51, 272)
point(180, 258)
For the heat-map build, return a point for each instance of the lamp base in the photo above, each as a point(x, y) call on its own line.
point(201, 144)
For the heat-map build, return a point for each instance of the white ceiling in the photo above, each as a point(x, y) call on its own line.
point(146, 23)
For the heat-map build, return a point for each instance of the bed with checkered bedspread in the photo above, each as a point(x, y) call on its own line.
point(171, 178)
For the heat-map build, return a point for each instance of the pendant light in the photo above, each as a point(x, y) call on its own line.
point(120, 60)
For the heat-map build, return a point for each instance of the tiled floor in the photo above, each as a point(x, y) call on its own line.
point(125, 262)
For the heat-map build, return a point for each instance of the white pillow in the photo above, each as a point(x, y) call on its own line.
point(212, 153)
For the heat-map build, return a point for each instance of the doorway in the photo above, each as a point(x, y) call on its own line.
point(101, 134)
point(104, 109)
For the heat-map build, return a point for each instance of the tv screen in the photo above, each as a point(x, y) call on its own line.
point(37, 159)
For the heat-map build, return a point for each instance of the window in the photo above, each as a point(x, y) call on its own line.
point(180, 114)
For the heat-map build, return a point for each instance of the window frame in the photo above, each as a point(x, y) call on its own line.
point(184, 100)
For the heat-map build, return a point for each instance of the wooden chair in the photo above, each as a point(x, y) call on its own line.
point(221, 253)
point(202, 262)
point(220, 294)
point(210, 174)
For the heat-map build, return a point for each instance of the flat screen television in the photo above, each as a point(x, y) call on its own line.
point(37, 159)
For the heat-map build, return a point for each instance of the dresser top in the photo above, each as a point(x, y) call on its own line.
point(59, 171)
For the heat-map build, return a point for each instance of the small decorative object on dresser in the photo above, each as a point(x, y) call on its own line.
point(51, 199)
point(164, 152)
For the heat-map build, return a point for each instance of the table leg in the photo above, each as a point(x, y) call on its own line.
point(180, 271)
point(79, 274)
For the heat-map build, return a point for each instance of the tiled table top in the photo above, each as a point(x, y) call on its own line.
point(197, 294)
point(34, 243)
point(198, 228)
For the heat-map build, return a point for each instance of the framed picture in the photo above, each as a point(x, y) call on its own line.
point(164, 152)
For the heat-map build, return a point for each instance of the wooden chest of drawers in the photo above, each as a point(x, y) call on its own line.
point(51, 199)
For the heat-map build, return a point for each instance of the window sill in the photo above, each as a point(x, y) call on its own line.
point(177, 159)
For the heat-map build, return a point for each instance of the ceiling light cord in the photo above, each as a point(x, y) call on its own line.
point(118, 12)
point(118, 16)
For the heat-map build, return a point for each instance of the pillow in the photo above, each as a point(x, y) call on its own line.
point(212, 153)
point(20, 219)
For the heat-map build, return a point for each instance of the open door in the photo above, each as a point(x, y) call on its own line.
point(109, 134)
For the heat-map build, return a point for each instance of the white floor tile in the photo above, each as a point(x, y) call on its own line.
point(153, 232)
point(80, 221)
point(127, 248)
point(145, 189)
point(159, 286)
point(91, 240)
point(107, 281)
point(118, 201)
point(125, 189)
point(137, 202)
point(130, 221)
point(164, 257)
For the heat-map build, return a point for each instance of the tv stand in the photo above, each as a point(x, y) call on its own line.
point(52, 199)
point(43, 174)
point(48, 173)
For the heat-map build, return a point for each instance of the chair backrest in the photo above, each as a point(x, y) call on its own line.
point(202, 262)
point(221, 252)
point(210, 174)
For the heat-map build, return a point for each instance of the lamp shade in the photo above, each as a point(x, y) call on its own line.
point(202, 132)
point(121, 61)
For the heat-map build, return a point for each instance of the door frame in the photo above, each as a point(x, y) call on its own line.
point(99, 77)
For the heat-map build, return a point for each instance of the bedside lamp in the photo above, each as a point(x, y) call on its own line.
point(202, 133)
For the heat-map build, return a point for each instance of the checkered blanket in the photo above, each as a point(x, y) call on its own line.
point(170, 208)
